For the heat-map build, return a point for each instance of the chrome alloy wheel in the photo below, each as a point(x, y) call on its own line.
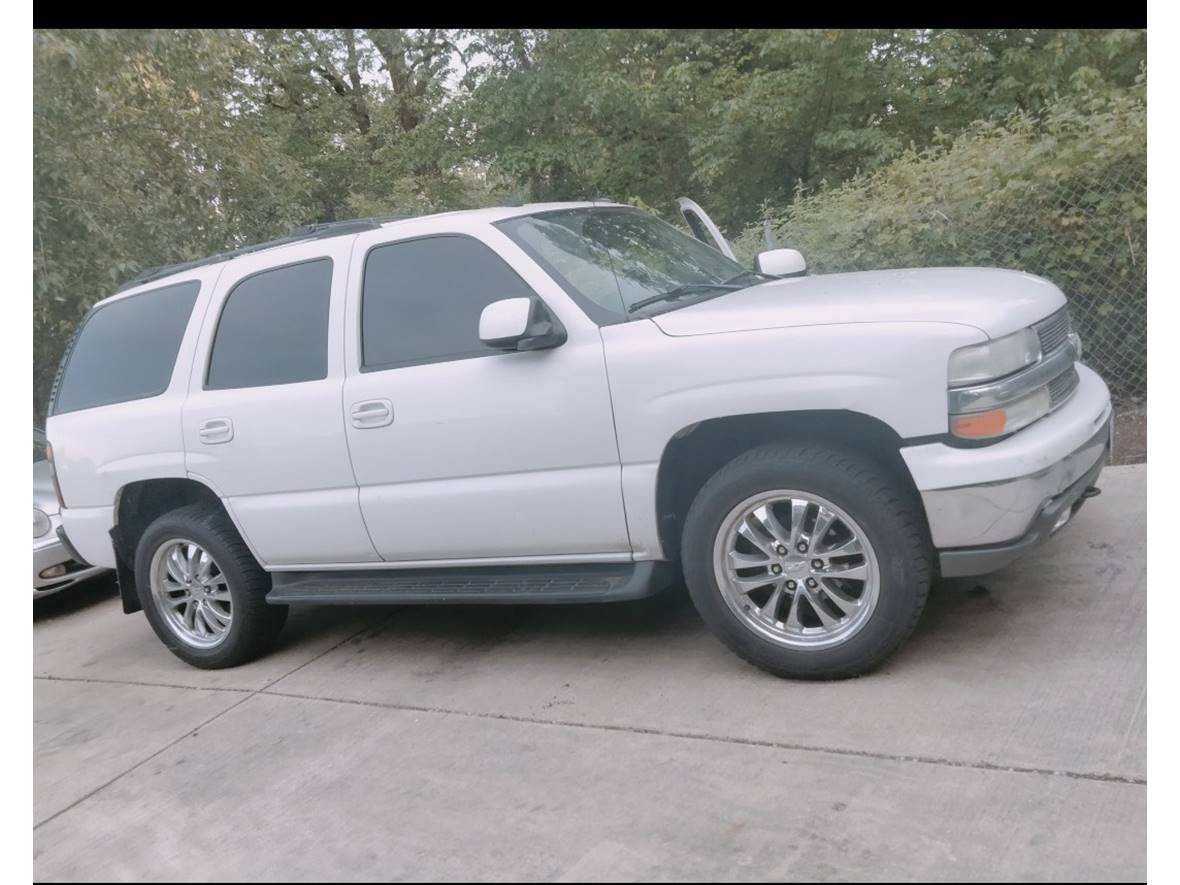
point(796, 569)
point(191, 593)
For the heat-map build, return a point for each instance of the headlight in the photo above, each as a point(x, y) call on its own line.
point(1000, 422)
point(40, 523)
point(994, 359)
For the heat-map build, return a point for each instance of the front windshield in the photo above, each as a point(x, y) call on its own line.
point(39, 444)
point(616, 258)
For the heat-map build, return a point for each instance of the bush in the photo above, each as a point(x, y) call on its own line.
point(1062, 194)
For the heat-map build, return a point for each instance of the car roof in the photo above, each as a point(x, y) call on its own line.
point(351, 227)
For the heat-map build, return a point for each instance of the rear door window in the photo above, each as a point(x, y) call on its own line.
point(274, 328)
point(126, 350)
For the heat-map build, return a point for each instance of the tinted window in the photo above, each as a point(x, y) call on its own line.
point(422, 299)
point(126, 350)
point(274, 328)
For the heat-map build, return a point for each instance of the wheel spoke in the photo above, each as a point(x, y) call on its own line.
point(823, 522)
point(190, 559)
point(850, 547)
point(769, 609)
point(822, 613)
point(798, 517)
point(852, 573)
point(212, 580)
point(204, 567)
point(770, 522)
point(221, 595)
point(748, 560)
point(747, 530)
point(174, 565)
point(747, 585)
point(220, 618)
point(792, 621)
point(845, 602)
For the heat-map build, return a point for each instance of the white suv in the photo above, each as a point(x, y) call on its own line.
point(566, 403)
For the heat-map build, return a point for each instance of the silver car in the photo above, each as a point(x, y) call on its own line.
point(54, 565)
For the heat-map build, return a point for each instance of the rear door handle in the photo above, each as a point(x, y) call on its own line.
point(216, 430)
point(372, 413)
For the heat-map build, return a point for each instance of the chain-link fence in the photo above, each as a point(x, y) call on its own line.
point(1101, 269)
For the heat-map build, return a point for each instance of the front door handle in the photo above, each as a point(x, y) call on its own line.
point(372, 413)
point(216, 430)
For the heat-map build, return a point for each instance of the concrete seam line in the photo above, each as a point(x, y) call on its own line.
point(250, 693)
point(381, 622)
point(1102, 777)
point(138, 683)
point(142, 762)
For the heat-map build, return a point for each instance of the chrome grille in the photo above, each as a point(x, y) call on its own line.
point(1053, 330)
point(1062, 386)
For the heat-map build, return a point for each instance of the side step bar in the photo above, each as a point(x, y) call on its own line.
point(592, 582)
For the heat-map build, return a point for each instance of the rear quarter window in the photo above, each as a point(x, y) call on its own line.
point(126, 350)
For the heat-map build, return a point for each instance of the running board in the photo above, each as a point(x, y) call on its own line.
point(591, 582)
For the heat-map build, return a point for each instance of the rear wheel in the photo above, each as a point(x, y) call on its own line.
point(806, 561)
point(202, 591)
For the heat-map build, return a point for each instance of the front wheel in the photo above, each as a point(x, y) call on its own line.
point(806, 561)
point(202, 591)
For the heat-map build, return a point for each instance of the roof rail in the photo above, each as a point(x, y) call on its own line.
point(307, 232)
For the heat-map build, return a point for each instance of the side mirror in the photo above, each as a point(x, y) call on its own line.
point(520, 324)
point(781, 262)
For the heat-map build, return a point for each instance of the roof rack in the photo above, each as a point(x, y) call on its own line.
point(308, 232)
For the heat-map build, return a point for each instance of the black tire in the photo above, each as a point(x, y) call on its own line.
point(888, 513)
point(255, 625)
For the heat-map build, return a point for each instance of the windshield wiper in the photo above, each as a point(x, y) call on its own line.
point(730, 285)
point(680, 292)
point(763, 277)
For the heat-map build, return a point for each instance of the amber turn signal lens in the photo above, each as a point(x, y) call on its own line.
point(979, 425)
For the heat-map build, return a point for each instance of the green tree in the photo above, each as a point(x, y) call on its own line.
point(742, 118)
point(143, 154)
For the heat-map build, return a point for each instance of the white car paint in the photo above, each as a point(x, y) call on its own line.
point(781, 262)
point(514, 453)
point(292, 503)
point(991, 300)
point(698, 218)
point(96, 453)
point(546, 456)
point(504, 320)
point(661, 384)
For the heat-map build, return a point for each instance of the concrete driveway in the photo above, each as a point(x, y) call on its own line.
point(1007, 740)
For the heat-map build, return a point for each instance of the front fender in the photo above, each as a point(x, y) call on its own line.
point(895, 373)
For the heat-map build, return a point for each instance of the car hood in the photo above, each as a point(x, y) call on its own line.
point(43, 496)
point(992, 300)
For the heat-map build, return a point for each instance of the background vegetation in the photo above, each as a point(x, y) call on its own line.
point(863, 148)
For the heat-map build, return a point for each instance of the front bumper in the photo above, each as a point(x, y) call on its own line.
point(1052, 516)
point(985, 506)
